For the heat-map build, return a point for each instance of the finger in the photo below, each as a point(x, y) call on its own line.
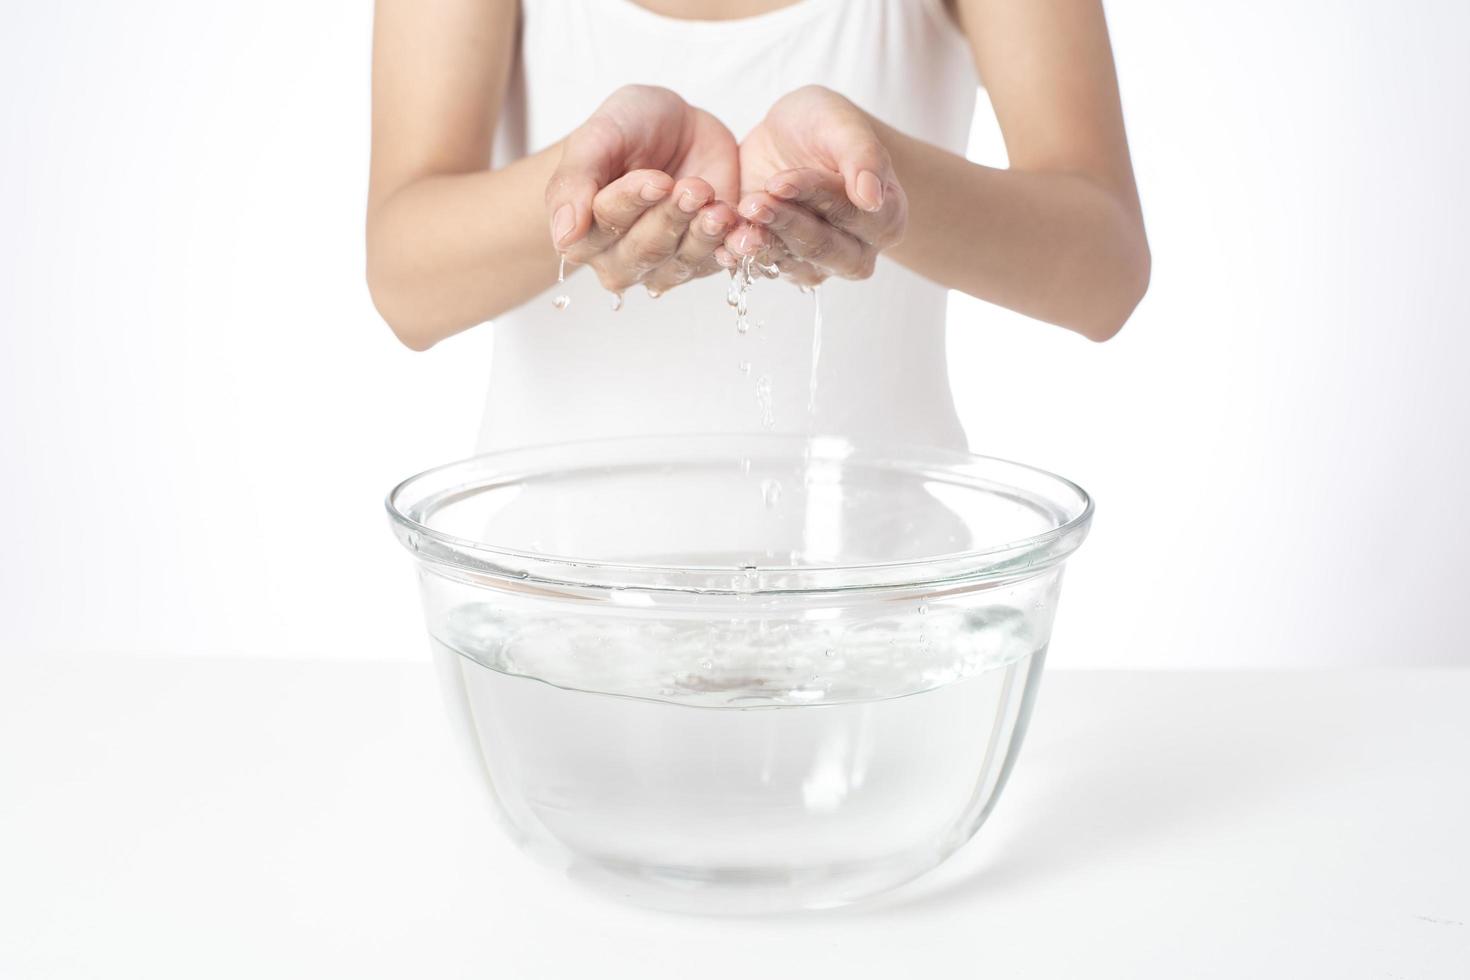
point(695, 254)
point(715, 156)
point(864, 163)
point(617, 207)
point(822, 193)
point(802, 273)
point(810, 238)
point(745, 238)
point(655, 237)
point(586, 166)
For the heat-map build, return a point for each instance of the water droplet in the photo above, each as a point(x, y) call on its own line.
point(706, 664)
point(745, 466)
point(738, 293)
point(764, 400)
point(653, 291)
point(744, 367)
point(617, 301)
point(923, 609)
point(561, 300)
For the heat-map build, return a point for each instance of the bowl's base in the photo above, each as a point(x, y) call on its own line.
point(748, 890)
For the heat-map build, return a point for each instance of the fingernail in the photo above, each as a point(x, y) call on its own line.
point(756, 211)
point(690, 202)
point(561, 224)
point(713, 224)
point(784, 191)
point(870, 189)
point(652, 192)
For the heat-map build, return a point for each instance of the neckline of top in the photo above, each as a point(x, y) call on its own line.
point(779, 18)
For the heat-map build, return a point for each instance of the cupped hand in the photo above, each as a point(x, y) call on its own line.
point(820, 194)
point(639, 194)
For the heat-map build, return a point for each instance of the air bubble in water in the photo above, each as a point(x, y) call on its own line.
point(771, 492)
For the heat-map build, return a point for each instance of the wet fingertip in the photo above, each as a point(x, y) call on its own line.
point(747, 242)
point(563, 223)
point(869, 191)
point(783, 187)
point(692, 199)
point(653, 191)
point(757, 211)
point(714, 222)
point(724, 258)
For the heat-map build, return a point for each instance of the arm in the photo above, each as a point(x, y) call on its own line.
point(633, 192)
point(449, 243)
point(1058, 236)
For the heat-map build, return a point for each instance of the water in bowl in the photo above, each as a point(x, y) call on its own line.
point(742, 766)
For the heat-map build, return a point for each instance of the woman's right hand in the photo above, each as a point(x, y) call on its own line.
point(642, 191)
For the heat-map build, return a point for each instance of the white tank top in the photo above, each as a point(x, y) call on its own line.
point(677, 364)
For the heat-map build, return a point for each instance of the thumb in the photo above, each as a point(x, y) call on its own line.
point(864, 163)
point(588, 164)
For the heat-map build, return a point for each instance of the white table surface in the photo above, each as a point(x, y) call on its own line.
point(257, 818)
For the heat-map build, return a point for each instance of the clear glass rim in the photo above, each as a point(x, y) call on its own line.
point(1002, 561)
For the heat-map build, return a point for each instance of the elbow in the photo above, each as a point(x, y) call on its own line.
point(1127, 286)
point(397, 308)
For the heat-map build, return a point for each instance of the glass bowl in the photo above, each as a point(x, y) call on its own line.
point(740, 673)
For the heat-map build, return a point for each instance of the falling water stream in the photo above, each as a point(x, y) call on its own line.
point(737, 296)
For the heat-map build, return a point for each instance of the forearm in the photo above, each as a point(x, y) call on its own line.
point(449, 251)
point(1057, 247)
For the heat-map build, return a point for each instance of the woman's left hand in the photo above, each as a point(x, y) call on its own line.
point(819, 190)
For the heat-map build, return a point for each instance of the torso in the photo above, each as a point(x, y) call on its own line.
point(674, 364)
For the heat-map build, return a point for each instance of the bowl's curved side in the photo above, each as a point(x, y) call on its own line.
point(741, 810)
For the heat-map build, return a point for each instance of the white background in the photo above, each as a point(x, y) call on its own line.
point(200, 411)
